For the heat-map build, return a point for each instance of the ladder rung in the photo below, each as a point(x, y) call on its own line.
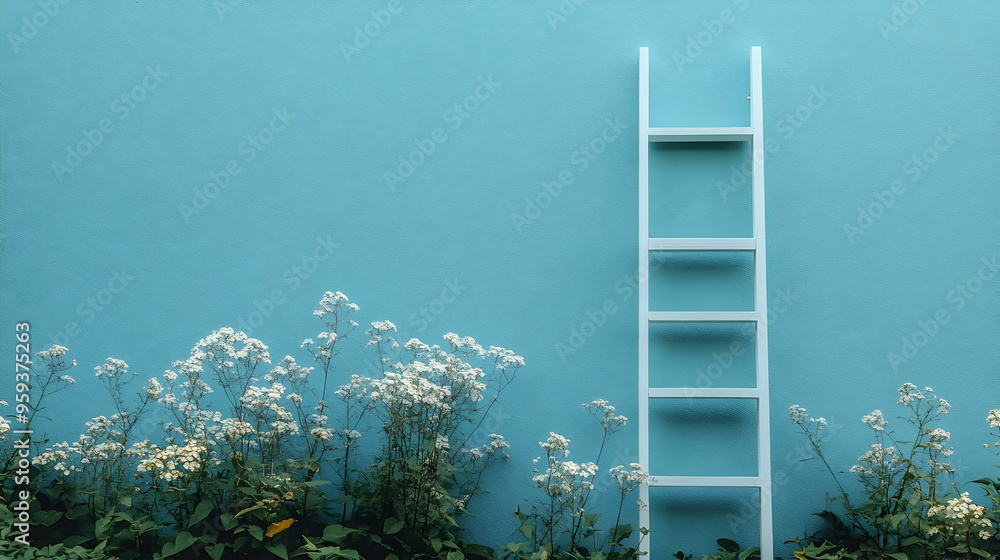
point(706, 481)
point(703, 316)
point(707, 393)
point(702, 244)
point(701, 134)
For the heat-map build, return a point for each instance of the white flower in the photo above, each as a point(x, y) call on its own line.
point(322, 434)
point(170, 376)
point(4, 428)
point(629, 480)
point(555, 443)
point(155, 389)
point(875, 420)
point(908, 393)
point(67, 379)
point(111, 368)
point(797, 414)
point(994, 418)
point(498, 442)
point(943, 406)
point(52, 352)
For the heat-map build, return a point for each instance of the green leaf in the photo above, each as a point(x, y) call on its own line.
point(896, 519)
point(393, 526)
point(728, 545)
point(278, 550)
point(621, 532)
point(897, 555)
point(101, 527)
point(750, 553)
point(455, 555)
point(436, 545)
point(216, 550)
point(516, 547)
point(125, 501)
point(337, 533)
point(256, 531)
point(249, 509)
point(590, 519)
point(46, 518)
point(528, 530)
point(481, 550)
point(201, 512)
point(522, 517)
point(183, 540)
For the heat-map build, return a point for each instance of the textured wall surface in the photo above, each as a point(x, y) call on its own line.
point(170, 168)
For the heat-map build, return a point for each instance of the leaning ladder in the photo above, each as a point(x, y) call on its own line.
point(755, 135)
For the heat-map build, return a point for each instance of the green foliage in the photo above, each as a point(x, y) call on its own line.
point(909, 512)
point(243, 480)
point(728, 550)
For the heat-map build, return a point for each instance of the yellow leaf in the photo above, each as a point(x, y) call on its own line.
point(275, 528)
point(800, 555)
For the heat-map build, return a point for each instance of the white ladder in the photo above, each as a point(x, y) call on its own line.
point(755, 135)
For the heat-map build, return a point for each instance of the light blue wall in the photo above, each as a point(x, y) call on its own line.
point(555, 83)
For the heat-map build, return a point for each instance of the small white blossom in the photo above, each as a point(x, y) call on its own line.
point(994, 418)
point(875, 420)
point(797, 414)
point(909, 393)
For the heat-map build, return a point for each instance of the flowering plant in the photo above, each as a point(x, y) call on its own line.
point(905, 482)
point(235, 469)
point(562, 518)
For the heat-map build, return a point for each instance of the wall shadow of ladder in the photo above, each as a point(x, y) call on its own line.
point(758, 317)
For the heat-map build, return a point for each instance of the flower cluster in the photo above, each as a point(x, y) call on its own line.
point(555, 442)
point(605, 414)
point(111, 368)
point(877, 460)
point(875, 420)
point(961, 515)
point(629, 480)
point(164, 462)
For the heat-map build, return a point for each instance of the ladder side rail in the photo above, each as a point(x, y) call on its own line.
point(643, 303)
point(760, 305)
